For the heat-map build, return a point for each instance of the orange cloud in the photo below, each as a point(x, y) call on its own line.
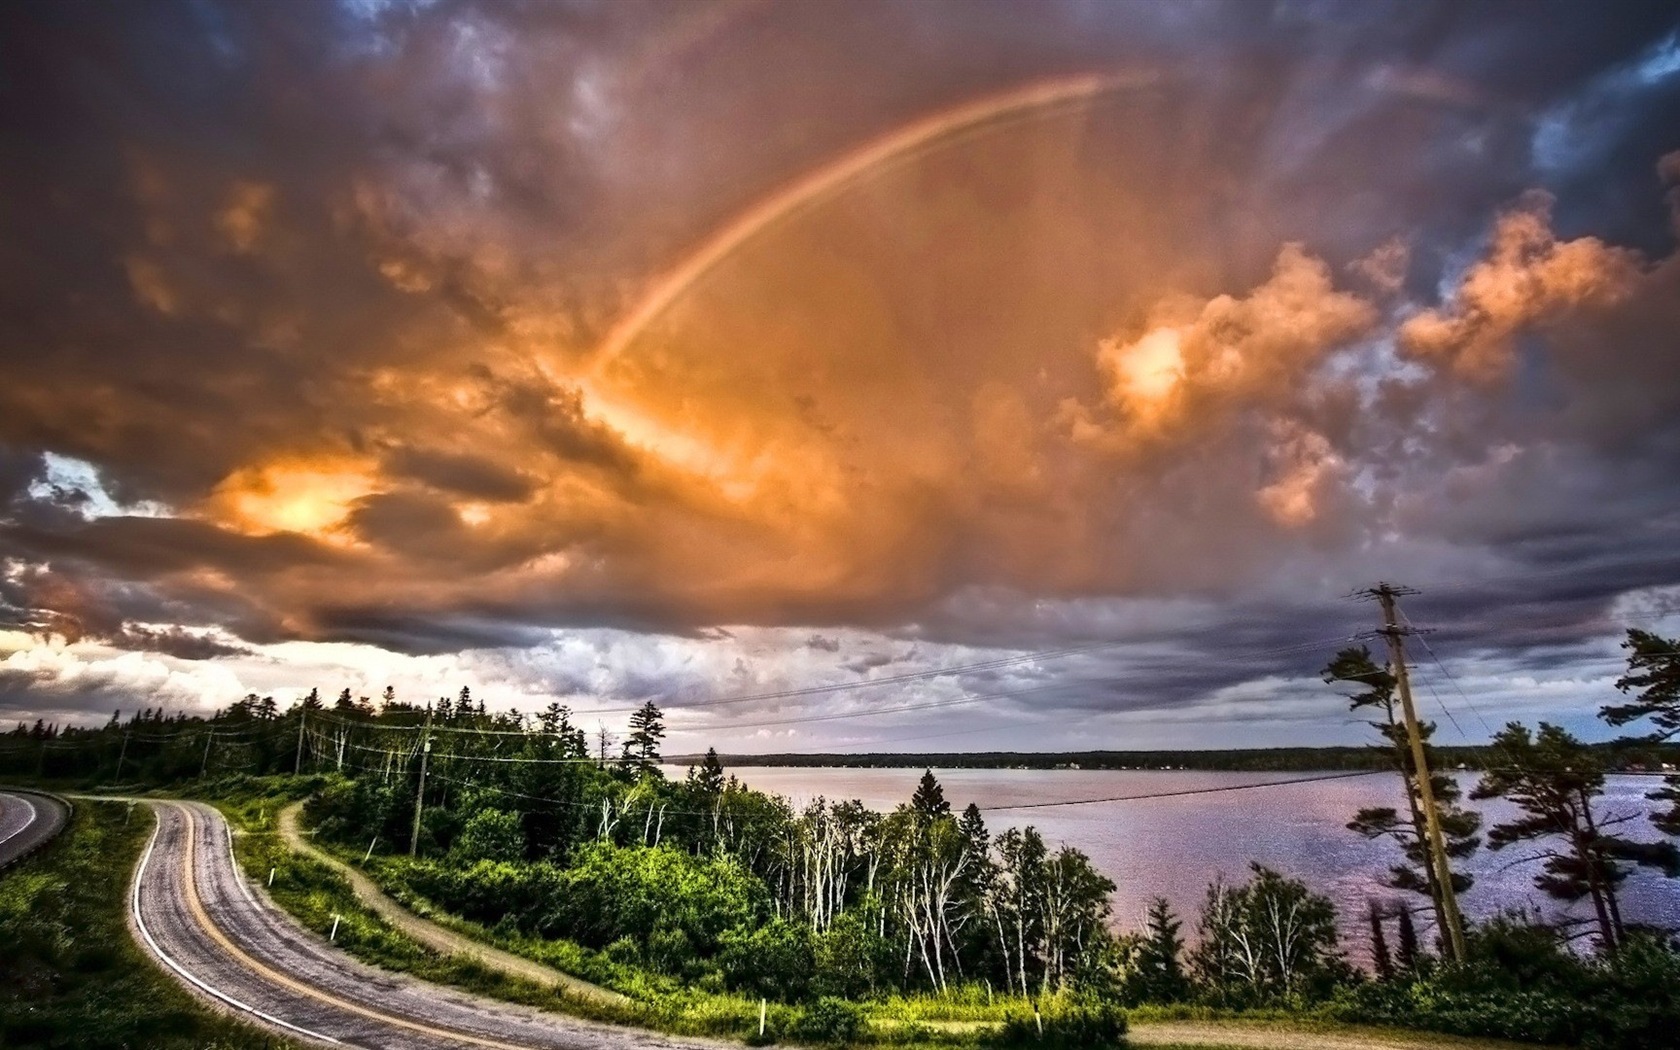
point(1527, 279)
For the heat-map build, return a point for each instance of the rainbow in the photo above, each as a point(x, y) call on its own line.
point(897, 147)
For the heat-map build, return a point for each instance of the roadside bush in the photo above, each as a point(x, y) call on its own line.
point(487, 891)
point(829, 1020)
point(613, 891)
point(490, 834)
point(1519, 981)
point(772, 959)
point(849, 959)
point(1077, 1025)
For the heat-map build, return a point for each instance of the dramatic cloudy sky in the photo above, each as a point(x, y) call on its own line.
point(703, 351)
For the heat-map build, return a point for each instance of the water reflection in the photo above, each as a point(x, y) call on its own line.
point(1172, 847)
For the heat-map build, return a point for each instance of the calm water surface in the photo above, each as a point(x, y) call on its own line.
point(1173, 847)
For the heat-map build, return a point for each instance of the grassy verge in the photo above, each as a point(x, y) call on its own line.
point(71, 974)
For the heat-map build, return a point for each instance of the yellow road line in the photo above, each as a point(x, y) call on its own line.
point(196, 906)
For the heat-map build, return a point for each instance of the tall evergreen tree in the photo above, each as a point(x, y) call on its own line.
point(1555, 781)
point(709, 777)
point(647, 729)
point(929, 800)
point(1654, 671)
point(1407, 954)
point(1381, 960)
point(1159, 963)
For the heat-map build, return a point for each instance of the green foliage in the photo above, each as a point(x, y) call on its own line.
point(829, 1020)
point(614, 891)
point(1081, 1025)
point(1554, 781)
point(490, 834)
point(1521, 982)
point(772, 959)
point(1653, 676)
point(70, 974)
point(1266, 940)
point(1156, 973)
point(850, 959)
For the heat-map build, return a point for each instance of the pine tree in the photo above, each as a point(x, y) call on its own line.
point(647, 729)
point(1380, 958)
point(1408, 955)
point(345, 704)
point(312, 702)
point(388, 698)
point(709, 778)
point(929, 800)
point(1554, 780)
point(1654, 670)
point(972, 828)
point(1160, 957)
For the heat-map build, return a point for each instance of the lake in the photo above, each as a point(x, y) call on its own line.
point(1173, 847)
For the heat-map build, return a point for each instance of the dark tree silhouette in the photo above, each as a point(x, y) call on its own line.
point(1653, 670)
point(929, 799)
point(1555, 780)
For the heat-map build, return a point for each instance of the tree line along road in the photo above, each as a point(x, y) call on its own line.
point(195, 913)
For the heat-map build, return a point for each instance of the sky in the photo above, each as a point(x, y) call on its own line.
point(1059, 367)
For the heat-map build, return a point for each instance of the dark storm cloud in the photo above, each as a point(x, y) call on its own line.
point(460, 473)
point(324, 281)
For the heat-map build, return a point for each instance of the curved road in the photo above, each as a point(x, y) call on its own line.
point(28, 820)
point(192, 909)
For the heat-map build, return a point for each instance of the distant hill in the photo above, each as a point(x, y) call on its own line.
point(1623, 756)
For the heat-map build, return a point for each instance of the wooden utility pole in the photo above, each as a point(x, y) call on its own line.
point(122, 754)
point(1437, 844)
point(303, 717)
point(204, 766)
point(420, 792)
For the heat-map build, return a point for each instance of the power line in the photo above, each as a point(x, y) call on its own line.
point(1187, 791)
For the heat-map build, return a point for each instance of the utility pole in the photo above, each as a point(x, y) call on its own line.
point(303, 717)
point(204, 766)
point(420, 792)
point(1437, 845)
point(122, 754)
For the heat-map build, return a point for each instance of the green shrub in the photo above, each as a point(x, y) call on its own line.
point(1072, 1026)
point(829, 1020)
point(772, 959)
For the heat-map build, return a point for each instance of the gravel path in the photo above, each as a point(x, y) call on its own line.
point(438, 938)
point(1240, 1036)
point(195, 913)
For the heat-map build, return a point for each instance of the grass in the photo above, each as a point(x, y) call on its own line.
point(70, 973)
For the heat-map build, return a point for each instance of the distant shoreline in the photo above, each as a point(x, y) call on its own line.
point(1618, 756)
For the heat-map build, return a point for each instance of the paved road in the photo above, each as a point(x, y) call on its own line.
point(438, 938)
point(28, 820)
point(195, 912)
